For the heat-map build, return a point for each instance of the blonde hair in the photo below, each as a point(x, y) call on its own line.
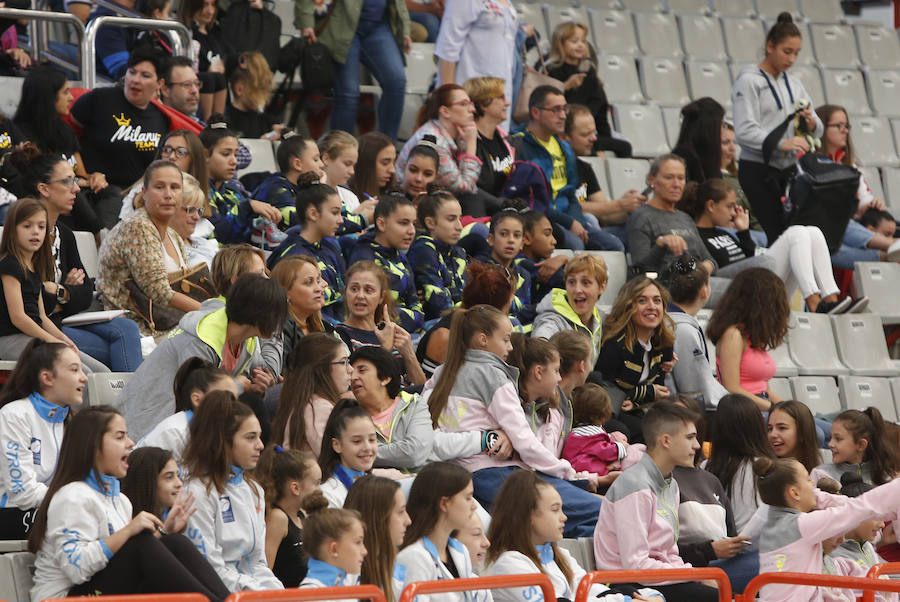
point(563, 32)
point(593, 265)
point(192, 195)
point(253, 73)
point(482, 91)
point(335, 142)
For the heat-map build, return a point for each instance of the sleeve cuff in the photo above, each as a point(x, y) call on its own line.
point(106, 550)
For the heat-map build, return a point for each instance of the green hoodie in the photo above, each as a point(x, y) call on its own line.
point(554, 314)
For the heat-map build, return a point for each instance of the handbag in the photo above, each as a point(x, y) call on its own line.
point(531, 79)
point(195, 282)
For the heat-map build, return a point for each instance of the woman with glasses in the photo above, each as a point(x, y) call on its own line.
point(116, 343)
point(449, 117)
point(192, 226)
point(859, 243)
point(493, 148)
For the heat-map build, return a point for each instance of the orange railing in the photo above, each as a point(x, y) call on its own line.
point(656, 576)
point(476, 583)
point(137, 598)
point(885, 568)
point(349, 592)
point(861, 583)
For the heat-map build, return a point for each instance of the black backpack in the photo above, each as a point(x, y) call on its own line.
point(247, 28)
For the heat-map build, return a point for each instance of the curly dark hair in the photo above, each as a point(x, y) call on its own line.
point(756, 303)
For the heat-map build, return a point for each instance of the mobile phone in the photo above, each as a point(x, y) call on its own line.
point(668, 354)
point(584, 65)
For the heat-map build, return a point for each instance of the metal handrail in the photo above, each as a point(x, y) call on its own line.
point(814, 580)
point(884, 568)
point(37, 33)
point(349, 592)
point(419, 588)
point(137, 598)
point(649, 577)
point(181, 44)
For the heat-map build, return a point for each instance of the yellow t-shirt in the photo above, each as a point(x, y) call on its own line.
point(559, 179)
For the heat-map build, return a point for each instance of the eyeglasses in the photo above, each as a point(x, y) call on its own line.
point(845, 127)
point(344, 362)
point(196, 83)
point(179, 151)
point(560, 110)
point(69, 182)
point(193, 210)
point(462, 103)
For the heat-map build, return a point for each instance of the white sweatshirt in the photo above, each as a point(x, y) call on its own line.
point(171, 434)
point(229, 529)
point(80, 516)
point(421, 562)
point(31, 432)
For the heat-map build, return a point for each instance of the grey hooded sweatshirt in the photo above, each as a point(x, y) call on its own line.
point(693, 372)
point(758, 111)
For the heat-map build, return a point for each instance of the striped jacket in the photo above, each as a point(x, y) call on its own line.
point(439, 271)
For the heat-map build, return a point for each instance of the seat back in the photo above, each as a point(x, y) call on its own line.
point(879, 281)
point(701, 37)
point(811, 78)
point(626, 174)
point(563, 14)
point(620, 78)
point(105, 388)
point(420, 68)
point(781, 387)
point(861, 392)
point(643, 5)
point(658, 35)
point(709, 78)
point(884, 87)
point(87, 250)
point(891, 187)
point(879, 47)
point(822, 11)
point(812, 345)
point(663, 80)
point(598, 165)
point(614, 32)
point(872, 176)
point(263, 156)
point(733, 8)
point(861, 344)
point(770, 9)
point(743, 39)
point(689, 7)
point(819, 393)
point(642, 126)
point(845, 87)
point(834, 45)
point(872, 137)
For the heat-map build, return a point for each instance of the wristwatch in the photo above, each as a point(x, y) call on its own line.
point(61, 296)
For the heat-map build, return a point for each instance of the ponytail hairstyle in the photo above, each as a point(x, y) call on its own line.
point(685, 279)
point(310, 193)
point(430, 204)
point(254, 74)
point(81, 443)
point(308, 377)
point(25, 379)
point(140, 483)
point(527, 353)
point(345, 411)
point(212, 431)
point(701, 135)
point(488, 284)
point(434, 482)
point(693, 202)
point(783, 28)
point(216, 131)
point(573, 347)
point(511, 531)
point(278, 466)
point(292, 146)
point(807, 448)
point(373, 498)
point(34, 167)
point(879, 453)
point(42, 259)
point(195, 374)
point(441, 97)
point(389, 203)
point(323, 524)
point(466, 323)
point(773, 477)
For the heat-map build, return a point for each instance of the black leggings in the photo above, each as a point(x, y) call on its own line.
point(15, 523)
point(689, 591)
point(622, 148)
point(764, 187)
point(147, 564)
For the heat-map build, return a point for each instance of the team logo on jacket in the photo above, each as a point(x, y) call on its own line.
point(143, 141)
point(35, 448)
point(226, 509)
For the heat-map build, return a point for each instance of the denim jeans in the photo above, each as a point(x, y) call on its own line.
point(429, 21)
point(116, 343)
point(580, 507)
point(373, 45)
point(598, 240)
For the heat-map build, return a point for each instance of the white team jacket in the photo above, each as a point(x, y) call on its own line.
point(171, 434)
point(422, 563)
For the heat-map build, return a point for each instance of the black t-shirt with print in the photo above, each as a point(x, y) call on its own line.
point(587, 181)
point(31, 290)
point(119, 140)
point(247, 124)
point(496, 163)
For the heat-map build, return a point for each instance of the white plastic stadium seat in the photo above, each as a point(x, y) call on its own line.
point(879, 47)
point(16, 576)
point(689, 7)
point(822, 11)
point(873, 142)
point(643, 5)
point(812, 345)
point(620, 78)
point(781, 387)
point(884, 89)
point(626, 174)
point(105, 388)
point(845, 87)
point(861, 344)
point(672, 119)
point(743, 39)
point(880, 282)
point(834, 45)
point(872, 176)
point(658, 35)
point(701, 36)
point(770, 9)
point(733, 8)
point(642, 125)
point(709, 78)
point(664, 81)
point(564, 14)
point(598, 165)
point(861, 392)
point(420, 68)
point(819, 393)
point(811, 78)
point(614, 32)
point(617, 274)
point(784, 365)
point(263, 156)
point(891, 187)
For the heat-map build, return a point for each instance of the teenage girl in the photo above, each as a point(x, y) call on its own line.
point(792, 433)
point(474, 538)
point(538, 363)
point(193, 381)
point(229, 525)
point(439, 264)
point(85, 537)
point(296, 155)
point(318, 215)
point(335, 540)
point(349, 447)
point(859, 444)
point(26, 262)
point(421, 168)
point(792, 536)
point(153, 485)
point(538, 244)
point(764, 97)
point(475, 390)
point(290, 478)
point(252, 83)
point(439, 503)
point(34, 409)
point(339, 152)
point(395, 229)
point(505, 240)
point(375, 172)
point(232, 212)
point(382, 506)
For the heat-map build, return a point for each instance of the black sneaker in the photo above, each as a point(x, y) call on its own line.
point(833, 308)
point(858, 306)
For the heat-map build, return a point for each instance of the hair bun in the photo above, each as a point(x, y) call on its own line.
point(763, 466)
point(849, 478)
point(217, 121)
point(307, 179)
point(289, 134)
point(828, 485)
point(314, 502)
point(785, 17)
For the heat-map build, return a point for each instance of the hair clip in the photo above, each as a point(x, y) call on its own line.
point(289, 134)
point(427, 144)
point(219, 125)
point(683, 265)
point(278, 449)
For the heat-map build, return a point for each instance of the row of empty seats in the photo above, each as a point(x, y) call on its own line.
point(826, 396)
point(810, 10)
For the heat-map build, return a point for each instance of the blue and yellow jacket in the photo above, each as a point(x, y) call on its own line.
point(539, 289)
point(279, 192)
point(327, 254)
point(522, 306)
point(231, 216)
point(439, 271)
point(403, 284)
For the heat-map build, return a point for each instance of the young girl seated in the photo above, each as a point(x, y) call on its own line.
point(525, 537)
point(792, 433)
point(291, 481)
point(34, 409)
point(152, 485)
point(792, 536)
point(335, 541)
point(589, 447)
point(339, 152)
point(382, 506)
point(233, 214)
point(438, 262)
point(349, 447)
point(473, 537)
point(229, 525)
point(538, 363)
point(85, 537)
point(421, 169)
point(395, 229)
point(538, 244)
point(296, 156)
point(859, 444)
point(439, 503)
point(505, 242)
point(194, 379)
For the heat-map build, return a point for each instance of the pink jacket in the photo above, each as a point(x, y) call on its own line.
point(484, 397)
point(591, 448)
point(791, 541)
point(637, 528)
